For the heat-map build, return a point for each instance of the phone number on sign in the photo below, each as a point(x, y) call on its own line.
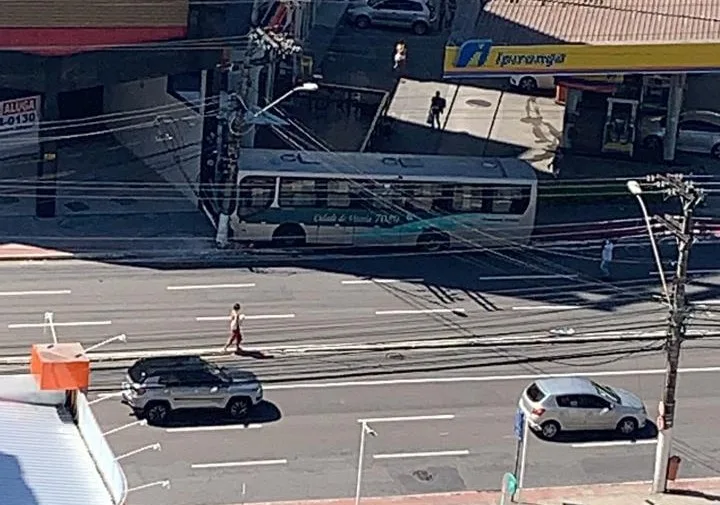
point(18, 119)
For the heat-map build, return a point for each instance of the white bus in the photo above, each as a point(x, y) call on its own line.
point(291, 199)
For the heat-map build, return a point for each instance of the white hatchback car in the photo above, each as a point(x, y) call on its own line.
point(698, 132)
point(531, 83)
point(416, 15)
point(579, 404)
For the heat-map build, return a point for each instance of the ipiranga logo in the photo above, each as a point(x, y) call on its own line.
point(477, 52)
point(529, 60)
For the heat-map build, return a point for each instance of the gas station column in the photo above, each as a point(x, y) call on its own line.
point(675, 101)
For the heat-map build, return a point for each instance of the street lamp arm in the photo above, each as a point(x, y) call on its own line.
point(636, 191)
point(308, 86)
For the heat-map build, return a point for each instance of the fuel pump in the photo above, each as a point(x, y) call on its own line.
point(619, 131)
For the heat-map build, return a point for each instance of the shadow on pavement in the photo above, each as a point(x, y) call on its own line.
point(264, 412)
point(593, 436)
point(692, 493)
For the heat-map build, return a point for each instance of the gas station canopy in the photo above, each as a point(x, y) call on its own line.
point(563, 37)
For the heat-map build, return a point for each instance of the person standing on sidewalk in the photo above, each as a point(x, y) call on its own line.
point(400, 56)
point(607, 257)
point(236, 320)
point(437, 108)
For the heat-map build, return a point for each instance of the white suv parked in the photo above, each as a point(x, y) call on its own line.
point(155, 387)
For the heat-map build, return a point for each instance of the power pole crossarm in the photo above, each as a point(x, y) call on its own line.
point(683, 229)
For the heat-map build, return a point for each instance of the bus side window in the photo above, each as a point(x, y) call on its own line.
point(421, 196)
point(521, 203)
point(510, 200)
point(502, 200)
point(363, 195)
point(338, 194)
point(468, 199)
point(443, 201)
point(256, 193)
point(297, 192)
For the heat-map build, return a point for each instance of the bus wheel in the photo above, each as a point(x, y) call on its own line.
point(289, 235)
point(433, 241)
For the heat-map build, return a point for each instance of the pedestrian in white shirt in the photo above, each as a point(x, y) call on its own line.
point(236, 337)
point(607, 257)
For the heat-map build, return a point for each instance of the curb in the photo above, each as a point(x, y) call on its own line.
point(309, 349)
point(641, 489)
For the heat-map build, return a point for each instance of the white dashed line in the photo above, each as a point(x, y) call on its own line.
point(68, 324)
point(418, 311)
point(36, 293)
point(210, 286)
point(232, 464)
point(261, 316)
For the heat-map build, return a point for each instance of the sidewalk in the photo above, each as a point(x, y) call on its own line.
point(684, 492)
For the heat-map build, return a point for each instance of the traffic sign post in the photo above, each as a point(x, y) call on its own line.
point(521, 429)
point(509, 487)
point(518, 430)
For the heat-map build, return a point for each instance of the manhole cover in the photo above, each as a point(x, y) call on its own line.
point(476, 102)
point(77, 206)
point(8, 200)
point(422, 475)
point(124, 201)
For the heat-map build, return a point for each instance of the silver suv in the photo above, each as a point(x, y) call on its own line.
point(155, 387)
point(576, 404)
point(416, 15)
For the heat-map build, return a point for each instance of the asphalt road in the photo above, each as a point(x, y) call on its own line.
point(304, 442)
point(326, 302)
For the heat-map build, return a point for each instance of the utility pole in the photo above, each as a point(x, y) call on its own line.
point(224, 170)
point(682, 228)
point(240, 85)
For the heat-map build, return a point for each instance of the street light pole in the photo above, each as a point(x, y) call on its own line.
point(250, 117)
point(364, 431)
point(233, 134)
point(683, 230)
point(635, 188)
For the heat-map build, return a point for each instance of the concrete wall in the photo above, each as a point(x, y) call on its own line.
point(162, 131)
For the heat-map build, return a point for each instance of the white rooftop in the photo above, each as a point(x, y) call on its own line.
point(43, 458)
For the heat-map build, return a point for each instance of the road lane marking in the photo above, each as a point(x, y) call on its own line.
point(418, 311)
point(697, 272)
point(522, 277)
point(36, 293)
point(613, 443)
point(706, 302)
point(378, 281)
point(402, 419)
point(210, 286)
point(486, 378)
point(225, 427)
point(427, 454)
point(262, 316)
point(67, 324)
point(547, 307)
point(232, 464)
